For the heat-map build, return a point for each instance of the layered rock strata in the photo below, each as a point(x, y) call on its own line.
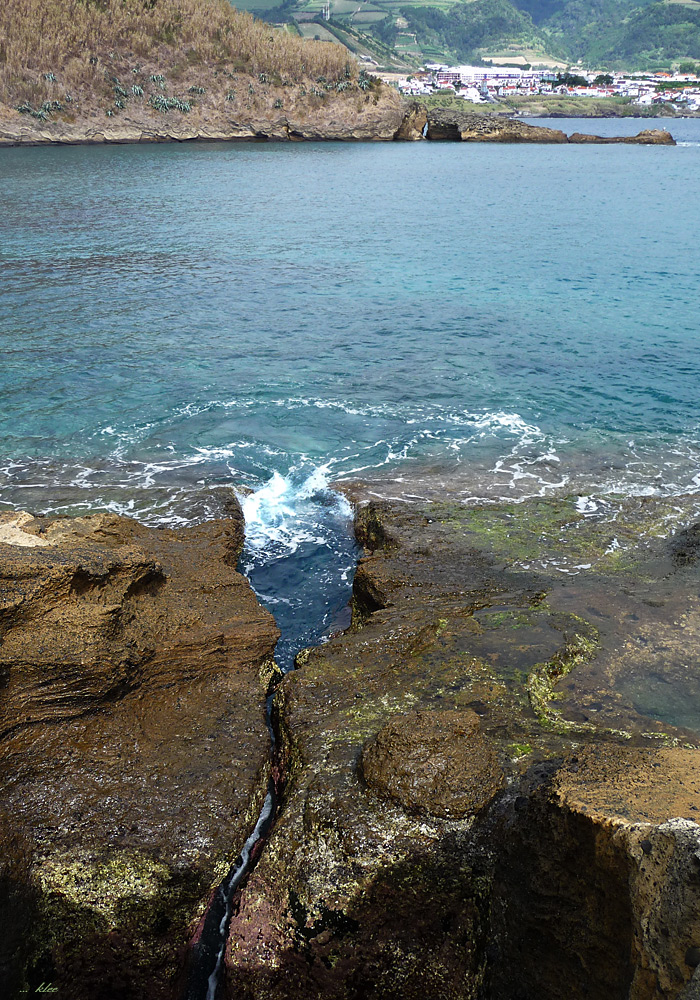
point(463, 126)
point(479, 804)
point(381, 116)
point(133, 747)
point(374, 116)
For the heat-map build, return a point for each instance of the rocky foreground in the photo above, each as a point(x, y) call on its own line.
point(133, 747)
point(478, 804)
point(379, 115)
point(492, 779)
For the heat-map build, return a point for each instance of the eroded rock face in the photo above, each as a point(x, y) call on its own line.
point(433, 762)
point(133, 747)
point(647, 137)
point(465, 126)
point(375, 882)
point(413, 125)
point(374, 116)
point(599, 861)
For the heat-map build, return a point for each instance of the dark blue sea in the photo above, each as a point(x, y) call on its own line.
point(433, 319)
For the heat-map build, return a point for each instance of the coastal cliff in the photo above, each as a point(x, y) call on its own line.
point(378, 116)
point(159, 70)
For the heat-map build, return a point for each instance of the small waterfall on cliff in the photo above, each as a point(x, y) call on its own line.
point(300, 556)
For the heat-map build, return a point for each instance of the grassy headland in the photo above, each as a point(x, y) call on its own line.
point(556, 106)
point(196, 60)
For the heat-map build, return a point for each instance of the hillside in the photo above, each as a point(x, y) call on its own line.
point(626, 34)
point(621, 33)
point(182, 64)
point(469, 31)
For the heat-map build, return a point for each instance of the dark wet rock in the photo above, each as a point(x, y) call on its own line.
point(535, 616)
point(133, 748)
point(576, 872)
point(685, 546)
point(433, 762)
point(647, 137)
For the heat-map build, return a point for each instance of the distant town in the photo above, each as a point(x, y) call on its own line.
point(483, 84)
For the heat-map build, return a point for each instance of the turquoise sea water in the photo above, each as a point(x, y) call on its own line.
point(488, 320)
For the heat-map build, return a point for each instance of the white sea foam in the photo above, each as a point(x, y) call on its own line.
point(288, 511)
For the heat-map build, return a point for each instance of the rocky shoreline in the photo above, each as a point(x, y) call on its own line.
point(383, 120)
point(484, 795)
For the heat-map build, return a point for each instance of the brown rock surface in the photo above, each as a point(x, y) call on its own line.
point(413, 125)
point(433, 762)
point(133, 748)
point(517, 613)
point(465, 126)
point(604, 866)
point(647, 137)
point(376, 115)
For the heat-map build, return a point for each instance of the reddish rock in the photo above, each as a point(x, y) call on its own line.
point(433, 762)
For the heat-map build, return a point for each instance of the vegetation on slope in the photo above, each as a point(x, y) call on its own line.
point(59, 57)
point(626, 34)
point(620, 33)
point(469, 27)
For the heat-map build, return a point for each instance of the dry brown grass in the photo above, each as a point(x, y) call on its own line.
point(88, 44)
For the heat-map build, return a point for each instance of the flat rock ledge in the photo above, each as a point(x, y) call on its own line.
point(477, 805)
point(134, 753)
point(461, 126)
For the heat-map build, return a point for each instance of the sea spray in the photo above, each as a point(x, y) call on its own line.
point(299, 556)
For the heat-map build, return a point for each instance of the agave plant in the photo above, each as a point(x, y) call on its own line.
point(137, 91)
point(164, 104)
point(50, 77)
point(196, 90)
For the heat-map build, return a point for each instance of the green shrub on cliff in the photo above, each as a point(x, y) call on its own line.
point(52, 47)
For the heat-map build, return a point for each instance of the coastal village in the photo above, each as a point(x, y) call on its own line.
point(484, 84)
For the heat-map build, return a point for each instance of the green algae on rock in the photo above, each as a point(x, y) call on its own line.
point(367, 886)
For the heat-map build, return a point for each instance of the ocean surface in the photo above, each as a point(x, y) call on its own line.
point(434, 319)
